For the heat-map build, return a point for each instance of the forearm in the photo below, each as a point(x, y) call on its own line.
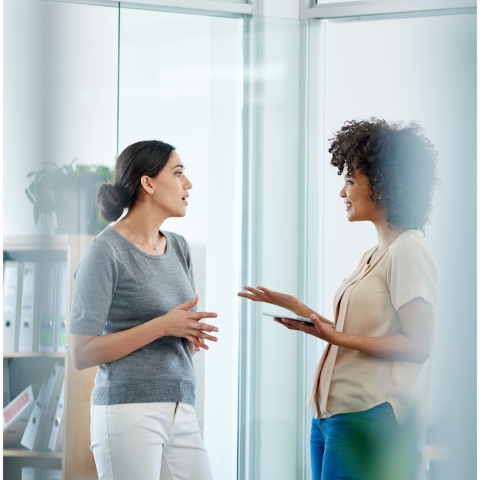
point(395, 347)
point(114, 346)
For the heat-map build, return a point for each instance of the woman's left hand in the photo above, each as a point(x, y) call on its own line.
point(318, 329)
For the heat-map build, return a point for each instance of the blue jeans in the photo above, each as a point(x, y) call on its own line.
point(359, 446)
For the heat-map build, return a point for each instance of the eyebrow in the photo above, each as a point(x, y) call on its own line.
point(176, 166)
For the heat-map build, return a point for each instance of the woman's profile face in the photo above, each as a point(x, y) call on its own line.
point(356, 194)
point(171, 188)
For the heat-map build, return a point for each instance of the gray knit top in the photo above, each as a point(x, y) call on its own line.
point(117, 287)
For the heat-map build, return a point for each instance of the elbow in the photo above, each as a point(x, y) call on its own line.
point(421, 357)
point(77, 360)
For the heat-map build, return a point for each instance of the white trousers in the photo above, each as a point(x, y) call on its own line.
point(148, 441)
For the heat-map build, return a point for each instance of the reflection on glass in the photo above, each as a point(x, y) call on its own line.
point(417, 73)
point(181, 82)
point(60, 83)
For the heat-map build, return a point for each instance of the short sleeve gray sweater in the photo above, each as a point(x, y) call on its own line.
point(117, 287)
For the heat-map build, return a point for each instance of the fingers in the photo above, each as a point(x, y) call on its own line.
point(189, 304)
point(249, 296)
point(264, 290)
point(200, 315)
point(196, 341)
point(298, 325)
point(316, 321)
point(205, 327)
point(205, 336)
point(256, 291)
point(282, 321)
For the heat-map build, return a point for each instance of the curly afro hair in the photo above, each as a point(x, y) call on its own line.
point(400, 163)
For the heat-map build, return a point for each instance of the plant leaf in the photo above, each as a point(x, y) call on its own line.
point(36, 214)
point(30, 174)
point(29, 195)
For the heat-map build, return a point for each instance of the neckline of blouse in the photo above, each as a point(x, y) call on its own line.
point(135, 248)
point(367, 263)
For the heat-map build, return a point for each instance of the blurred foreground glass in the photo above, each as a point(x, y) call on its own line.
point(424, 70)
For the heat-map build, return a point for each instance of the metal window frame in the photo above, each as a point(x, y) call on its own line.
point(372, 8)
point(229, 8)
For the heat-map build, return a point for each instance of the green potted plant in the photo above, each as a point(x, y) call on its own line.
point(69, 191)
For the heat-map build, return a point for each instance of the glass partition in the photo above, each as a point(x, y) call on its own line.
point(272, 401)
point(424, 70)
point(59, 140)
point(249, 103)
point(180, 81)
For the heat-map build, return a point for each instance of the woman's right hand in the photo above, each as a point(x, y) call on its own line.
point(180, 322)
point(262, 294)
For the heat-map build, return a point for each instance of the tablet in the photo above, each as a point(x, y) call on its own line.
point(297, 319)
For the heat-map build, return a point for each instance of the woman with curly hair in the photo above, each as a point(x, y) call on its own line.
point(375, 363)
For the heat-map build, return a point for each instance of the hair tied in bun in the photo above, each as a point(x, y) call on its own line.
point(110, 201)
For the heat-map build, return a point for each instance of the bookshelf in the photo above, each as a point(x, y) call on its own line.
point(76, 459)
point(17, 452)
point(33, 355)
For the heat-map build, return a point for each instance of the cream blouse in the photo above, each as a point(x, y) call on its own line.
point(366, 304)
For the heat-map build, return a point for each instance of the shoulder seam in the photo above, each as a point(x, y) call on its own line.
point(109, 246)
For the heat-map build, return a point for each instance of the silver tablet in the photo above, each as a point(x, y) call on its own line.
point(297, 319)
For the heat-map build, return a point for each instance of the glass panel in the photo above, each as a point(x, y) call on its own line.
point(272, 377)
point(181, 82)
point(60, 104)
point(423, 70)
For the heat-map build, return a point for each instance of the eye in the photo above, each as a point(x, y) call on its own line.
point(178, 173)
point(349, 182)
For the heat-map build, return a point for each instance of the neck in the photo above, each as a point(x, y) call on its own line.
point(144, 221)
point(385, 235)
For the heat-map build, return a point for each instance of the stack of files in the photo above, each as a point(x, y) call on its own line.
point(56, 435)
point(53, 308)
point(47, 311)
point(36, 473)
point(16, 416)
point(12, 278)
point(39, 428)
point(30, 307)
point(61, 321)
point(6, 382)
point(34, 306)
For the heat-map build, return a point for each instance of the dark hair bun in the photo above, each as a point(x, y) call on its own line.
point(110, 202)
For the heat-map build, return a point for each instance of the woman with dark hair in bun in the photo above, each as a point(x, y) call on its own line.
point(134, 317)
point(374, 373)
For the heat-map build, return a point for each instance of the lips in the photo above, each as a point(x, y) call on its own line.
point(185, 198)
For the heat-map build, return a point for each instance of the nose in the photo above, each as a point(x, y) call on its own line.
point(189, 185)
point(342, 192)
